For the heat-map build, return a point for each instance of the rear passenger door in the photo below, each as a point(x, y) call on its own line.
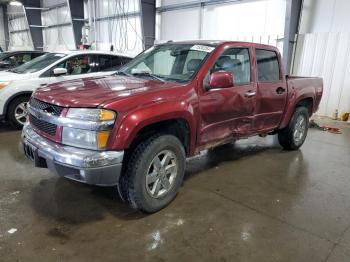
point(272, 90)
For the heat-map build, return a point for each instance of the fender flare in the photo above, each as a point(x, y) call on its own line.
point(290, 107)
point(133, 122)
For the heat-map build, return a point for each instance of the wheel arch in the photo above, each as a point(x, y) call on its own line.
point(12, 98)
point(137, 126)
point(306, 101)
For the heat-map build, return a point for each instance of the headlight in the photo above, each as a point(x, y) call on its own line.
point(89, 114)
point(3, 84)
point(96, 140)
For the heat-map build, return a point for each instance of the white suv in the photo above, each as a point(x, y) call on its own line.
point(17, 84)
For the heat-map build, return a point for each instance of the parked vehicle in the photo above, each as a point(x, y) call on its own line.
point(13, 59)
point(135, 129)
point(17, 84)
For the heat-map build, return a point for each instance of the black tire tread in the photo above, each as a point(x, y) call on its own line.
point(285, 136)
point(127, 186)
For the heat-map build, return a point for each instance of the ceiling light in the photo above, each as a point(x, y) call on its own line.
point(15, 3)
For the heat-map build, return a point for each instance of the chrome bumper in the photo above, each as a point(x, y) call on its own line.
point(87, 166)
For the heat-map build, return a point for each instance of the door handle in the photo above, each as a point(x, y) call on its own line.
point(250, 94)
point(280, 90)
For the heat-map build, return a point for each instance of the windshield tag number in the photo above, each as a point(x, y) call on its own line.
point(203, 48)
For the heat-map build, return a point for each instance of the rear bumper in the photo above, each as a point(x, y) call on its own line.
point(88, 166)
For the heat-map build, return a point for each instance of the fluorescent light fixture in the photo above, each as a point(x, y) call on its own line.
point(15, 3)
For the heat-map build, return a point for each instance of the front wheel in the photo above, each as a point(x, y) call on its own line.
point(17, 111)
point(154, 173)
point(293, 136)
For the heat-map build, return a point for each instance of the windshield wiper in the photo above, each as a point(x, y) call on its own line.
point(121, 73)
point(149, 75)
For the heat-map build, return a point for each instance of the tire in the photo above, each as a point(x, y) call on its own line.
point(137, 189)
point(16, 113)
point(293, 136)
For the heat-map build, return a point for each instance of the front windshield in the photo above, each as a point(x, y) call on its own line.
point(37, 63)
point(172, 62)
point(3, 55)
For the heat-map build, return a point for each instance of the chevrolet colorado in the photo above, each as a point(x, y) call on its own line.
point(135, 129)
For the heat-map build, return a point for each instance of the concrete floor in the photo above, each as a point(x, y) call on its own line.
point(250, 201)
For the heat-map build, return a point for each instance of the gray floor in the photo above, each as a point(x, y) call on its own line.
point(247, 202)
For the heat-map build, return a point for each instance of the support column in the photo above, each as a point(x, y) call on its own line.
point(6, 28)
point(291, 29)
point(148, 22)
point(32, 10)
point(77, 13)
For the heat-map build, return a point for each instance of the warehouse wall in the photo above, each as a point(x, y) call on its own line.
point(260, 21)
point(323, 49)
point(116, 23)
point(19, 35)
point(59, 35)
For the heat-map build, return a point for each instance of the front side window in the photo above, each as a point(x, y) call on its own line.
point(77, 65)
point(268, 67)
point(172, 62)
point(237, 61)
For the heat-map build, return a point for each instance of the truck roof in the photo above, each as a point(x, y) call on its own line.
point(221, 42)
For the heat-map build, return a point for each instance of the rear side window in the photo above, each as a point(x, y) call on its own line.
point(34, 55)
point(268, 67)
point(111, 62)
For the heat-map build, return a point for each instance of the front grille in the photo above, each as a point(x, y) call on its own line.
point(43, 126)
point(46, 107)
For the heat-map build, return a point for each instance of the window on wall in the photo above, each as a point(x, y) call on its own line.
point(237, 61)
point(268, 67)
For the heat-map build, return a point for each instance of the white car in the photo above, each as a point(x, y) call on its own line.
point(17, 84)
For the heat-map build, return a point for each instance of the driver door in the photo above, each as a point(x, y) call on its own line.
point(228, 112)
point(79, 66)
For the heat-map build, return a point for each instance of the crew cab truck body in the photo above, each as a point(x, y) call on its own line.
point(136, 128)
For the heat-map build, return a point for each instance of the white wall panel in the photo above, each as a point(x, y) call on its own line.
point(19, 35)
point(124, 33)
point(260, 21)
point(59, 37)
point(180, 24)
point(323, 50)
point(327, 55)
point(325, 16)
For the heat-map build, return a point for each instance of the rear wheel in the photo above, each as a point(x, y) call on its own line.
point(17, 111)
point(293, 136)
point(154, 173)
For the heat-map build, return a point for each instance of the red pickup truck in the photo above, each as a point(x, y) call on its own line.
point(135, 129)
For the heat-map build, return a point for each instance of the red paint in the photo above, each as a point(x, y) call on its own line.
point(221, 79)
point(214, 116)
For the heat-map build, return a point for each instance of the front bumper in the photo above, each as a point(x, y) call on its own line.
point(88, 166)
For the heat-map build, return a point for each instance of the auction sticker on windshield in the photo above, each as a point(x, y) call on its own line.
point(203, 48)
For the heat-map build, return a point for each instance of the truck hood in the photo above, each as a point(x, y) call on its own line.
point(94, 91)
point(6, 76)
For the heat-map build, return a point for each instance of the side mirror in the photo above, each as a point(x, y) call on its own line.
point(59, 71)
point(221, 79)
